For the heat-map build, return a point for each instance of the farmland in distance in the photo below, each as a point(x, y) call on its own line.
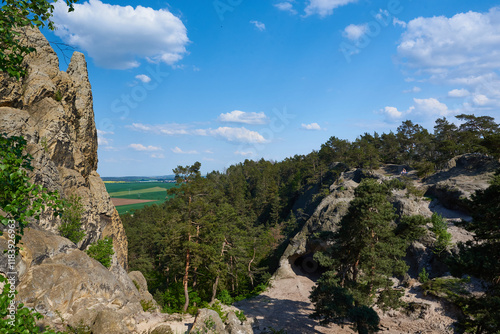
point(140, 194)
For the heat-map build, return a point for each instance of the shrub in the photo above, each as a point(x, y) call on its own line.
point(147, 305)
point(225, 297)
point(423, 276)
point(440, 229)
point(102, 251)
point(71, 226)
point(241, 316)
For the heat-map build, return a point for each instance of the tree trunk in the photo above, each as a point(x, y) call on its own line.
point(216, 283)
point(249, 268)
point(185, 280)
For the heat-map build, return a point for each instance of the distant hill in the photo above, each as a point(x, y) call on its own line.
point(164, 178)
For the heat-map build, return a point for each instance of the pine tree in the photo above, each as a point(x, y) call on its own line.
point(367, 250)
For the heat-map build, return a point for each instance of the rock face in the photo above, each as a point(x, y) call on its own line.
point(68, 287)
point(53, 110)
point(462, 176)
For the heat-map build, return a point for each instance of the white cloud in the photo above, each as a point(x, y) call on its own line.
point(480, 99)
point(415, 89)
point(143, 77)
point(177, 150)
point(286, 7)
point(458, 93)
point(312, 126)
point(325, 7)
point(259, 25)
point(430, 107)
point(241, 135)
point(238, 116)
point(392, 113)
point(140, 147)
point(244, 153)
point(158, 156)
point(119, 37)
point(422, 110)
point(355, 31)
point(466, 42)
point(398, 22)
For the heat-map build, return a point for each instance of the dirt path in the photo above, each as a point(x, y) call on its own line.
point(286, 306)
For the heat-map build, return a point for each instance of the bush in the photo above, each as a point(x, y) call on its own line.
point(71, 226)
point(225, 297)
point(440, 229)
point(423, 276)
point(102, 251)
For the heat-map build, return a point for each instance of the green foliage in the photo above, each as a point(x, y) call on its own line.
point(71, 226)
point(240, 315)
point(16, 15)
point(217, 307)
point(449, 288)
point(480, 257)
point(19, 198)
point(424, 168)
point(225, 297)
point(102, 251)
point(136, 285)
point(423, 276)
point(58, 96)
point(440, 229)
point(147, 305)
point(481, 314)
point(367, 249)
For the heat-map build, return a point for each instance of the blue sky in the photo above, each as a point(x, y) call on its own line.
point(227, 80)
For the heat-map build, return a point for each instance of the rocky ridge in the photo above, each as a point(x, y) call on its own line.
point(288, 296)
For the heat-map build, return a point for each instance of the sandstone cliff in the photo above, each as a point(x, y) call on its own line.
point(53, 110)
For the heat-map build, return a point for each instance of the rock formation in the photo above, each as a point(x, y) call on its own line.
point(53, 110)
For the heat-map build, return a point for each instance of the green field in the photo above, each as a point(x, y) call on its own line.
point(156, 191)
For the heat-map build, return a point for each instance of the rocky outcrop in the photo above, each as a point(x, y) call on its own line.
point(209, 321)
point(70, 288)
point(462, 176)
point(53, 110)
point(145, 297)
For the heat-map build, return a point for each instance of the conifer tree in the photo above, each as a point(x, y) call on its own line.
point(367, 249)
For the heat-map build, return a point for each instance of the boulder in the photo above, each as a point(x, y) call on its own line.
point(69, 288)
point(145, 296)
point(208, 321)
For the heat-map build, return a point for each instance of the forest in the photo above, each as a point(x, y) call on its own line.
point(220, 236)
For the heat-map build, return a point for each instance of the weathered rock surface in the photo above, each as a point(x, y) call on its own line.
point(53, 110)
point(68, 287)
point(141, 284)
point(462, 176)
point(209, 321)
